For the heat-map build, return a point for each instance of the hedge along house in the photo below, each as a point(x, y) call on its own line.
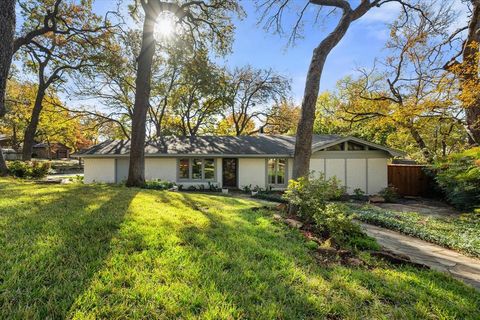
point(233, 162)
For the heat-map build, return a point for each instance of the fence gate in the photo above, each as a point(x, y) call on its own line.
point(409, 180)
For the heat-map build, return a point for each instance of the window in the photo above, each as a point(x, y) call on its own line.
point(209, 169)
point(352, 146)
point(276, 171)
point(196, 169)
point(337, 147)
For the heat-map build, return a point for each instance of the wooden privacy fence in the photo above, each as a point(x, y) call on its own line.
point(409, 180)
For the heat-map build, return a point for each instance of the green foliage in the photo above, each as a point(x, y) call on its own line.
point(460, 233)
point(389, 193)
point(159, 185)
point(310, 195)
point(459, 177)
point(34, 170)
point(170, 255)
point(358, 194)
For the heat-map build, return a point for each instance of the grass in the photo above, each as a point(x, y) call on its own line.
point(455, 232)
point(97, 251)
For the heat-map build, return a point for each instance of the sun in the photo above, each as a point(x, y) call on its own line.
point(165, 27)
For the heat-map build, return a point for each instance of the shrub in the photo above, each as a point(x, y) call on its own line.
point(335, 222)
point(358, 194)
point(389, 193)
point(159, 185)
point(459, 177)
point(35, 170)
point(311, 195)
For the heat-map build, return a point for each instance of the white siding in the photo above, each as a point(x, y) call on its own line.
point(290, 169)
point(99, 170)
point(356, 175)
point(317, 166)
point(377, 175)
point(335, 167)
point(121, 170)
point(219, 171)
point(251, 171)
point(161, 168)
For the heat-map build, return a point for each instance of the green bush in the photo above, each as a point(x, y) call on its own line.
point(159, 185)
point(459, 177)
point(35, 170)
point(310, 195)
point(335, 222)
point(389, 193)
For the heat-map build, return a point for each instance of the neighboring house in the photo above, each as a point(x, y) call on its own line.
point(233, 162)
point(5, 141)
point(53, 151)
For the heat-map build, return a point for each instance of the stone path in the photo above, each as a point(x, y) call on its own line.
point(438, 258)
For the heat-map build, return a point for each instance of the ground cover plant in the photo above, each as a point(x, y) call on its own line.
point(99, 251)
point(456, 232)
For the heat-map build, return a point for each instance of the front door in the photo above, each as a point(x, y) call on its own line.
point(229, 172)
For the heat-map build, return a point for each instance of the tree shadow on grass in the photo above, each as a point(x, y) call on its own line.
point(264, 270)
point(52, 245)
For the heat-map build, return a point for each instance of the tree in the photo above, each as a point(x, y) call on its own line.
point(250, 92)
point(205, 21)
point(467, 71)
point(282, 118)
point(7, 21)
point(273, 12)
point(200, 95)
point(55, 56)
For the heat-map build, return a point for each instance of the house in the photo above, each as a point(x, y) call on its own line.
point(233, 162)
point(5, 141)
point(51, 151)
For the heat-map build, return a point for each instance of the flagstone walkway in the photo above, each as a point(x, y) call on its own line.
point(438, 258)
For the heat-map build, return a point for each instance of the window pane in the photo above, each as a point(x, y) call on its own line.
point(197, 169)
point(337, 147)
point(183, 169)
point(355, 146)
point(271, 171)
point(281, 171)
point(209, 169)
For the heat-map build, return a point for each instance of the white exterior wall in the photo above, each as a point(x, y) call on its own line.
point(99, 170)
point(161, 168)
point(356, 175)
point(251, 171)
point(317, 166)
point(377, 175)
point(335, 168)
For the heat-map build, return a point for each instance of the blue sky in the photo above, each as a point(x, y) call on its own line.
point(364, 41)
point(255, 46)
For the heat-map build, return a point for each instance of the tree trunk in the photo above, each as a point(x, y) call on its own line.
point(303, 145)
point(421, 144)
point(470, 60)
point(29, 137)
point(136, 170)
point(7, 30)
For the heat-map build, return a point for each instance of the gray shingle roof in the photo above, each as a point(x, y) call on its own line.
point(213, 145)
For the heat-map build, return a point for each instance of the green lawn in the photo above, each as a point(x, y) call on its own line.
point(461, 233)
point(97, 251)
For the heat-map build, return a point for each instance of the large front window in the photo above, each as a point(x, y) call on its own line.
point(277, 169)
point(196, 169)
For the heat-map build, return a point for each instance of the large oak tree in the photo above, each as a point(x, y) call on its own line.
point(206, 21)
point(273, 12)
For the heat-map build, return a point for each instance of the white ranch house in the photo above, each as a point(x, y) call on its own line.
point(233, 162)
